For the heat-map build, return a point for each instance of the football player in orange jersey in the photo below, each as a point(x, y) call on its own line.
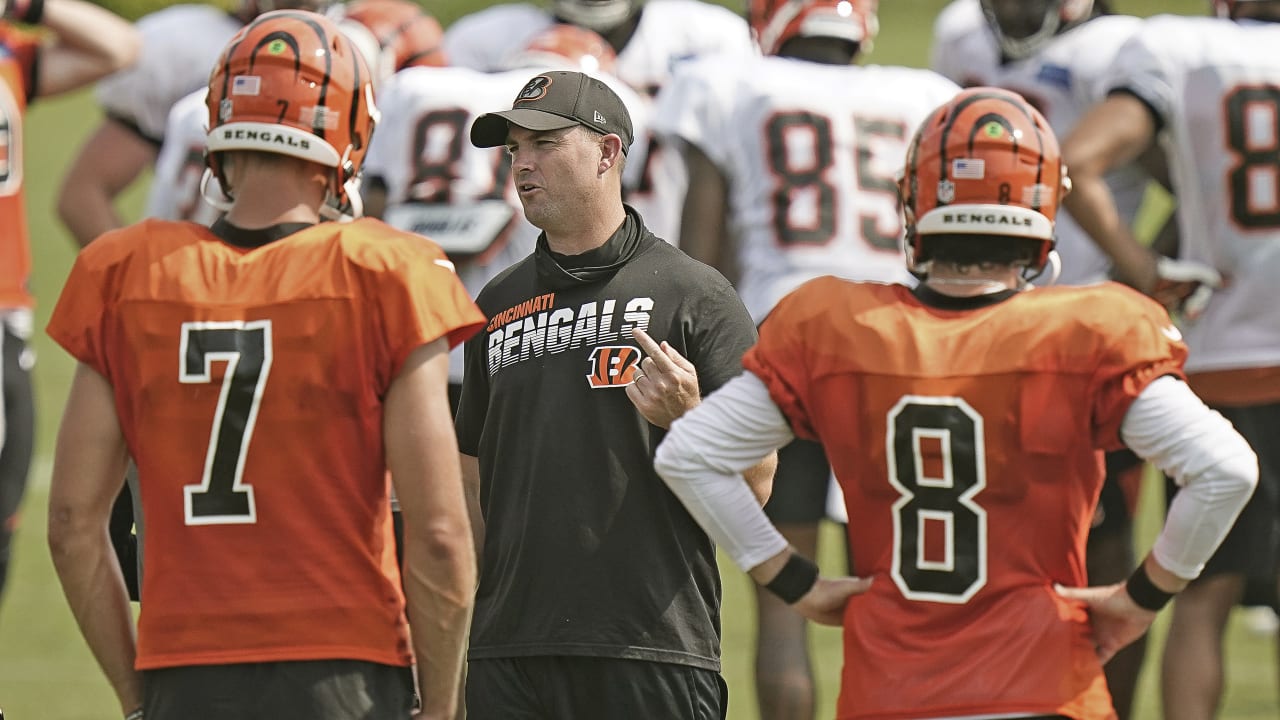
point(791, 177)
point(83, 43)
point(289, 364)
point(964, 420)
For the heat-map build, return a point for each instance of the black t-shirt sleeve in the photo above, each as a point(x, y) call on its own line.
point(721, 333)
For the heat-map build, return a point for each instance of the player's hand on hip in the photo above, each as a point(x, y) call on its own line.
point(1116, 619)
point(825, 601)
point(665, 385)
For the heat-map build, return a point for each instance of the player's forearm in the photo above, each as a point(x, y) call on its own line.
point(95, 591)
point(440, 582)
point(87, 210)
point(1093, 207)
point(1168, 425)
point(106, 38)
point(703, 458)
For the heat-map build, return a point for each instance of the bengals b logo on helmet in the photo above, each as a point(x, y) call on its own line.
point(613, 366)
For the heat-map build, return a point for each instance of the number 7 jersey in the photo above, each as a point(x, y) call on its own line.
point(810, 153)
point(965, 441)
point(249, 384)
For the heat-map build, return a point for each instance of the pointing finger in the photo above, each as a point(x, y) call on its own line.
point(653, 350)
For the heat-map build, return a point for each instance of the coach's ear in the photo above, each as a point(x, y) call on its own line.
point(610, 153)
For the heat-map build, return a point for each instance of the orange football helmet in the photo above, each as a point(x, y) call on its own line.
point(291, 83)
point(773, 22)
point(984, 164)
point(404, 35)
point(1024, 26)
point(566, 47)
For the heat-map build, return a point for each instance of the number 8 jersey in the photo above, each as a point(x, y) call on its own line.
point(1214, 89)
point(809, 152)
point(964, 434)
point(249, 384)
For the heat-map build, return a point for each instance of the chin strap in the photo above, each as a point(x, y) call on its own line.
point(1053, 265)
point(353, 208)
point(211, 192)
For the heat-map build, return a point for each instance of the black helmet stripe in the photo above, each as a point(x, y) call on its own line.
point(989, 117)
point(288, 39)
point(323, 37)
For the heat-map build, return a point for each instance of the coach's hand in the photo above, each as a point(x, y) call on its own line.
point(1116, 619)
point(825, 601)
point(666, 384)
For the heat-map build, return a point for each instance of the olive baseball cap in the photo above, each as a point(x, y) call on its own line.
point(555, 100)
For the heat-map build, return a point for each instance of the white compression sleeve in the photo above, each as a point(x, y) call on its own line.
point(702, 459)
point(1215, 467)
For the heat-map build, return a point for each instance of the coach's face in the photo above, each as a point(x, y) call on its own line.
point(555, 173)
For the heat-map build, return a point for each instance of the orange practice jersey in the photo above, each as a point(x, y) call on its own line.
point(250, 384)
point(966, 444)
point(17, 65)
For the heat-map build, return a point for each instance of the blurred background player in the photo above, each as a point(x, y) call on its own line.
point(1207, 90)
point(792, 159)
point(1057, 54)
point(650, 38)
point(317, 354)
point(403, 33)
point(80, 44)
point(391, 35)
point(179, 45)
point(963, 419)
point(423, 175)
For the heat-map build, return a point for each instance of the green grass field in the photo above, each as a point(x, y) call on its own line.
point(46, 671)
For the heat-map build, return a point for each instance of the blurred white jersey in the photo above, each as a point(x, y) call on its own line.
point(1063, 80)
point(175, 189)
point(810, 153)
point(179, 47)
point(669, 31)
point(1214, 85)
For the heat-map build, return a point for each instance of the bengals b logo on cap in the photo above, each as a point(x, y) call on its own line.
point(534, 90)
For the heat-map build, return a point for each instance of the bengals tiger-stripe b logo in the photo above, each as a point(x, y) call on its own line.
point(613, 366)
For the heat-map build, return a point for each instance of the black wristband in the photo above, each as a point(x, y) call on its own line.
point(795, 579)
point(1144, 592)
point(30, 12)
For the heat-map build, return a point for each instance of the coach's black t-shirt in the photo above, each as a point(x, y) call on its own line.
point(586, 551)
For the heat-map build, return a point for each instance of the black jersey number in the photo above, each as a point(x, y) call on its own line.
point(937, 464)
point(221, 497)
point(438, 144)
point(1253, 135)
point(10, 143)
point(801, 155)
